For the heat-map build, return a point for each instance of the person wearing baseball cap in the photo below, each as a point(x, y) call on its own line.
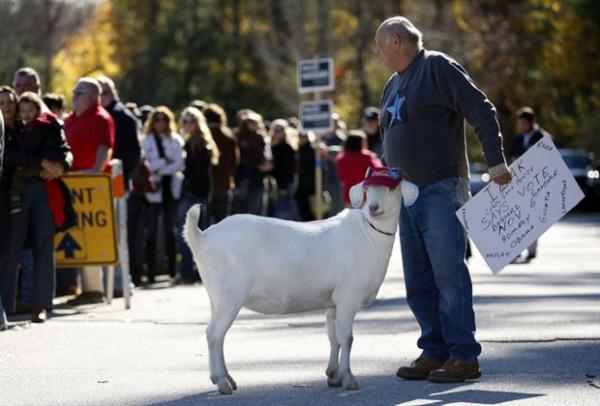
point(370, 125)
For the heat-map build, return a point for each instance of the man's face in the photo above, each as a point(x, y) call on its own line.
point(83, 98)
point(25, 83)
point(387, 49)
point(28, 111)
point(525, 126)
point(371, 126)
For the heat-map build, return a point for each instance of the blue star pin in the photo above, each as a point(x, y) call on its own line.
point(395, 108)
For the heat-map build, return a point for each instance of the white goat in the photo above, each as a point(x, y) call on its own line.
point(274, 266)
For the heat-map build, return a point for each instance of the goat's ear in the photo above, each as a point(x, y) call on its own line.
point(357, 195)
point(410, 192)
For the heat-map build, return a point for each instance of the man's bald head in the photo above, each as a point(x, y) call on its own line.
point(403, 28)
point(27, 80)
point(85, 94)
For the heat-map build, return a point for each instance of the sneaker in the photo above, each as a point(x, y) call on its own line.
point(419, 369)
point(454, 371)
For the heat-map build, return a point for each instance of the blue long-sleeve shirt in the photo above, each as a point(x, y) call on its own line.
point(422, 120)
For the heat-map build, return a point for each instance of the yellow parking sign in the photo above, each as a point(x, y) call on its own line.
point(93, 241)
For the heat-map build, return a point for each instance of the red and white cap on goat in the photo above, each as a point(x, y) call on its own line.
point(390, 177)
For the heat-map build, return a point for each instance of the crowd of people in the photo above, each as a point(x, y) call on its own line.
point(169, 163)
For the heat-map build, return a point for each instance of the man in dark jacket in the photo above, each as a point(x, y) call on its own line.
point(127, 149)
point(127, 127)
point(529, 133)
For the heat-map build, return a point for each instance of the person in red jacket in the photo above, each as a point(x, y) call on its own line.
point(353, 162)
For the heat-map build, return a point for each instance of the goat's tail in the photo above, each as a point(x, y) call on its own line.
point(191, 231)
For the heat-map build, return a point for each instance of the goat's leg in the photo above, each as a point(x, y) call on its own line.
point(343, 329)
point(333, 366)
point(220, 321)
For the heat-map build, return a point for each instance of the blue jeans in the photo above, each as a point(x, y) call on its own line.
point(438, 284)
point(187, 260)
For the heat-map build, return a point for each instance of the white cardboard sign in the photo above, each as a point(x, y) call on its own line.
point(504, 220)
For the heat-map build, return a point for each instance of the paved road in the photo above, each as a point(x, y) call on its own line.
point(539, 324)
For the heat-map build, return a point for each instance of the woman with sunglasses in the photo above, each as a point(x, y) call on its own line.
point(201, 153)
point(163, 149)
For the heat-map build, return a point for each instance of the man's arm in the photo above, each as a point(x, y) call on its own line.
point(461, 94)
point(103, 154)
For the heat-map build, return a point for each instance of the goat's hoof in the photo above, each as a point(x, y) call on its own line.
point(334, 382)
point(224, 387)
point(350, 383)
point(231, 382)
point(331, 372)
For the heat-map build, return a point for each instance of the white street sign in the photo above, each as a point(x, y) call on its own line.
point(502, 221)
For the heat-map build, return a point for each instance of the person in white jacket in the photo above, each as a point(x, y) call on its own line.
point(163, 149)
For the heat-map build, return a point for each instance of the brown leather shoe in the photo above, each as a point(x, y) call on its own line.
point(419, 369)
point(454, 371)
point(38, 314)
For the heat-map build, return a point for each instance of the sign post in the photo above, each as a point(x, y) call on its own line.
point(315, 76)
point(504, 220)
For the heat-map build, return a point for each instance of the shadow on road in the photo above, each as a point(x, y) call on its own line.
point(377, 390)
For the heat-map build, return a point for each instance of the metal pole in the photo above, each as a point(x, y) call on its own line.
point(318, 171)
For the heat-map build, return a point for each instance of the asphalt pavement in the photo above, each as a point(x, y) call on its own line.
point(538, 322)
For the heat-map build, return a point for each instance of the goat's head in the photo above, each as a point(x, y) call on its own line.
point(378, 196)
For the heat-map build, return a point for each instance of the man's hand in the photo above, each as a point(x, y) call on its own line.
point(52, 168)
point(503, 179)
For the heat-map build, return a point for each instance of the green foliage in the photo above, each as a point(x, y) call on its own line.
point(243, 53)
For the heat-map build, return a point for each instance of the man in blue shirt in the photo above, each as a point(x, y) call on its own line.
point(423, 110)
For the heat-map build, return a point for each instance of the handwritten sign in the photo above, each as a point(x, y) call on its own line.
point(504, 220)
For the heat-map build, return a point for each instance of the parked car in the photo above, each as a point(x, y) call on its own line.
point(479, 177)
point(580, 163)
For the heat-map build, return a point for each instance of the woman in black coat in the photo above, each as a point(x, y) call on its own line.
point(201, 154)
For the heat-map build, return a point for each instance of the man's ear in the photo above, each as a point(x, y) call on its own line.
point(357, 195)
